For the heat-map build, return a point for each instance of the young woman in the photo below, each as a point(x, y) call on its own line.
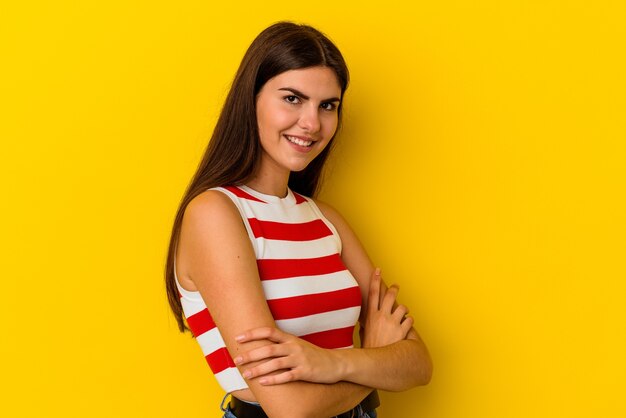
point(270, 281)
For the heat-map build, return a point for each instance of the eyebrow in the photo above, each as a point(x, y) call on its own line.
point(305, 97)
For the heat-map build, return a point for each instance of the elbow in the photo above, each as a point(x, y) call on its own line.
point(304, 410)
point(423, 371)
point(426, 373)
point(292, 410)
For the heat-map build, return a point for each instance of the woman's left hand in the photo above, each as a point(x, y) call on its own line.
point(289, 359)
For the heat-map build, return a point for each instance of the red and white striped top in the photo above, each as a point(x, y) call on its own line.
point(308, 289)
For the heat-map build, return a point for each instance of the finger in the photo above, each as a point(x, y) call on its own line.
point(406, 325)
point(382, 291)
point(277, 379)
point(374, 292)
point(261, 353)
point(263, 333)
point(389, 299)
point(269, 366)
point(400, 312)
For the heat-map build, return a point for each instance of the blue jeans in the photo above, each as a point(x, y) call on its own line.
point(359, 412)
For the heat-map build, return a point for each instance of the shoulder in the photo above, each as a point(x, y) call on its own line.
point(211, 224)
point(211, 217)
point(209, 200)
point(209, 207)
point(332, 215)
point(350, 242)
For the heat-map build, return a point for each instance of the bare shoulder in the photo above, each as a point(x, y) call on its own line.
point(209, 218)
point(210, 221)
point(332, 215)
point(209, 205)
point(348, 237)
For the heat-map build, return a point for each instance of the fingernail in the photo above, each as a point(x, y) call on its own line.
point(377, 271)
point(239, 338)
point(247, 374)
point(238, 360)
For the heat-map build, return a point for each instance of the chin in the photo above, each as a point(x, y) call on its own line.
point(298, 169)
point(298, 166)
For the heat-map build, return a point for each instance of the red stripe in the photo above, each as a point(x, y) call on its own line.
point(270, 269)
point(305, 305)
point(334, 338)
point(219, 360)
point(299, 199)
point(200, 322)
point(306, 231)
point(240, 193)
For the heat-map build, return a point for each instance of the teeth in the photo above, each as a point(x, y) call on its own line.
point(298, 141)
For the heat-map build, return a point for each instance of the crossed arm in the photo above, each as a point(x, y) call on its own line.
point(216, 254)
point(393, 356)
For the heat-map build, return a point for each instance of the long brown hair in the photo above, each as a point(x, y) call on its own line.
point(233, 153)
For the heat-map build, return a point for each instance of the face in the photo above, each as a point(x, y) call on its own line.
point(297, 116)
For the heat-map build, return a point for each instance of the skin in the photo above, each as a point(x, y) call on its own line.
point(389, 339)
point(281, 113)
point(215, 257)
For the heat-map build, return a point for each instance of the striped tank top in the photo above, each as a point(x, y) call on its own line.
point(309, 291)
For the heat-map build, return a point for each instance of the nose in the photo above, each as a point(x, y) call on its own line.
point(310, 119)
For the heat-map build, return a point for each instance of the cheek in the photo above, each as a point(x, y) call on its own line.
point(275, 120)
point(330, 126)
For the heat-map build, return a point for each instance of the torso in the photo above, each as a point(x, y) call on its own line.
point(309, 291)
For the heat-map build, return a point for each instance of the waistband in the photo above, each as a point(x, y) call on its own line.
point(243, 409)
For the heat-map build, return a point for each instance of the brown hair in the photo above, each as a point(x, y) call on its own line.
point(233, 153)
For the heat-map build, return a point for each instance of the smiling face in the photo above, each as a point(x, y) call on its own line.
point(297, 116)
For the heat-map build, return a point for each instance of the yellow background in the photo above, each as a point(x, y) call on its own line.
point(482, 164)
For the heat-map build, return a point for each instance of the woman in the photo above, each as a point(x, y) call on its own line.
point(270, 281)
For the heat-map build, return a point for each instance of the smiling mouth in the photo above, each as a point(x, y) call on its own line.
point(298, 141)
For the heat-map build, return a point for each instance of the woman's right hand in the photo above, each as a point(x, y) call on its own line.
point(384, 325)
point(288, 359)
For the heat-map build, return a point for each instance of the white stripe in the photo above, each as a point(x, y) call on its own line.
point(297, 214)
point(192, 306)
point(210, 341)
point(188, 294)
point(307, 285)
point(328, 223)
point(326, 321)
point(230, 379)
point(273, 249)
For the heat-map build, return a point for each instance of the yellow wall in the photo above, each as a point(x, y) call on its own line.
point(482, 164)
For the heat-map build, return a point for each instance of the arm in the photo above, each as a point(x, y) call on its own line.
point(218, 257)
point(407, 362)
point(383, 321)
point(389, 338)
point(385, 342)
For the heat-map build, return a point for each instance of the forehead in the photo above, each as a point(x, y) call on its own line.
point(315, 82)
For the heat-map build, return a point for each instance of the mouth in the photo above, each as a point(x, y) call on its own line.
point(299, 141)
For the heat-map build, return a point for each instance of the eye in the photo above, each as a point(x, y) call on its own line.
point(329, 106)
point(292, 99)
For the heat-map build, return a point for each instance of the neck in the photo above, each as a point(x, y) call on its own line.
point(272, 182)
